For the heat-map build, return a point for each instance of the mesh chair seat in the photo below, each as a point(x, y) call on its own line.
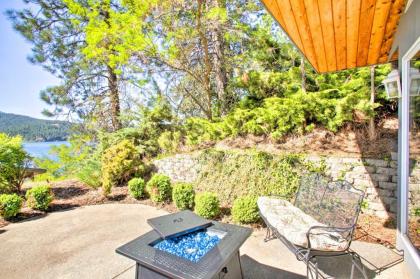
point(293, 224)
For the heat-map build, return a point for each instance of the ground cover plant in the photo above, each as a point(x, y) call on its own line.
point(234, 174)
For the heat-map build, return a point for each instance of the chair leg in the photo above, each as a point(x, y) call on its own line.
point(268, 234)
point(309, 270)
point(357, 262)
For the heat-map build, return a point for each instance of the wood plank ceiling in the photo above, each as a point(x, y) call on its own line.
point(339, 34)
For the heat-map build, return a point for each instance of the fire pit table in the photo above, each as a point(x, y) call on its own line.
point(186, 246)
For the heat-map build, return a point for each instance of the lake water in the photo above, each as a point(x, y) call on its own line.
point(41, 149)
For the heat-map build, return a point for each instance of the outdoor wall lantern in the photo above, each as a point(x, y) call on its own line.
point(392, 85)
point(414, 82)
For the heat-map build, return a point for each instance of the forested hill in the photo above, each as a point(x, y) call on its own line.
point(32, 129)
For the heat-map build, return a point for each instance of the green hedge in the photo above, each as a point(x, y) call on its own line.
point(10, 205)
point(39, 197)
point(207, 205)
point(136, 187)
point(245, 210)
point(183, 195)
point(159, 188)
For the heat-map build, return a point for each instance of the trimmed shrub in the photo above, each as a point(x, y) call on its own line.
point(10, 205)
point(159, 188)
point(183, 195)
point(136, 187)
point(39, 197)
point(207, 205)
point(245, 210)
point(120, 162)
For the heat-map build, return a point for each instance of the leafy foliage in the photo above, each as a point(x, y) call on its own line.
point(136, 187)
point(245, 210)
point(233, 174)
point(71, 160)
point(10, 205)
point(279, 116)
point(13, 160)
point(159, 188)
point(183, 195)
point(207, 205)
point(39, 197)
point(119, 163)
point(90, 173)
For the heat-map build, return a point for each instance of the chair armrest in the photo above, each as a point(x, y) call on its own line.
point(331, 232)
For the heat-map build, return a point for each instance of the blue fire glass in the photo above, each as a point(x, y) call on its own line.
point(192, 246)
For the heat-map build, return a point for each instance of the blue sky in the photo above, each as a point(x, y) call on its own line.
point(20, 81)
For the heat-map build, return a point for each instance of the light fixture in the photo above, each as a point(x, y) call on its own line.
point(392, 84)
point(414, 82)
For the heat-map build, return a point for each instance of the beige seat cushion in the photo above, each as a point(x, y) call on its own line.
point(293, 224)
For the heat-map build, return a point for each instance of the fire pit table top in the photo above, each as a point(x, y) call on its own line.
point(142, 251)
point(178, 223)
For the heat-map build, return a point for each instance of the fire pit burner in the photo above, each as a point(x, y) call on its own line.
point(192, 246)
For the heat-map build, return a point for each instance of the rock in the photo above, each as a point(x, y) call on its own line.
point(388, 185)
point(385, 193)
point(381, 177)
point(383, 214)
point(364, 169)
point(389, 171)
point(365, 183)
point(377, 162)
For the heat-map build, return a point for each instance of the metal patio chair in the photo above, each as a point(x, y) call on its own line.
point(320, 222)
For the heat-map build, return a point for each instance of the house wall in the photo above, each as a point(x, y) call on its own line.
point(377, 176)
point(408, 30)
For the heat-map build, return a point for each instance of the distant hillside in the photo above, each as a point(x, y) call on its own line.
point(32, 129)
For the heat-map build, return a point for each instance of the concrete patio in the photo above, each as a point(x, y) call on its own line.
point(80, 243)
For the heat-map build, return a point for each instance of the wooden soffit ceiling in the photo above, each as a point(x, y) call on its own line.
point(339, 34)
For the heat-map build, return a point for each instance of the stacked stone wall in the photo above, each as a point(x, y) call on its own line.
point(378, 177)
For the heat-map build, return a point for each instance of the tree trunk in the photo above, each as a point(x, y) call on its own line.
point(114, 99)
point(372, 130)
point(114, 94)
point(207, 62)
point(219, 60)
point(303, 74)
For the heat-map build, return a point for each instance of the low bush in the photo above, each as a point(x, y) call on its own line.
point(39, 197)
point(10, 205)
point(245, 210)
point(136, 187)
point(159, 188)
point(207, 205)
point(90, 174)
point(183, 195)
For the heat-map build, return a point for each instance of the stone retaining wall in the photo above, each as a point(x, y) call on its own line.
point(378, 177)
